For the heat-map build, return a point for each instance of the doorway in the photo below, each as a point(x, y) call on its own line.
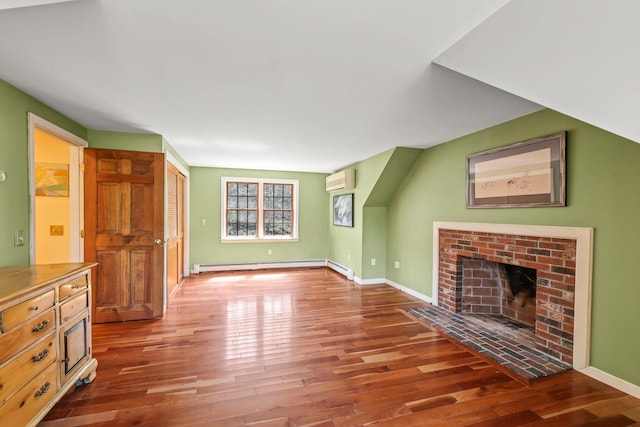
point(56, 192)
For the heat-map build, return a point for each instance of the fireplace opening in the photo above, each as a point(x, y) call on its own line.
point(497, 289)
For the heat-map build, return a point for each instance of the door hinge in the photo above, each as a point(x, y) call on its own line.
point(82, 234)
point(82, 166)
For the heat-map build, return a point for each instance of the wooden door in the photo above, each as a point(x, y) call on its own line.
point(124, 233)
point(175, 228)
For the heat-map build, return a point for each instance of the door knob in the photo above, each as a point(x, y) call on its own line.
point(158, 242)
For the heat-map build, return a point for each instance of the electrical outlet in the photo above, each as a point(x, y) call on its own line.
point(349, 257)
point(18, 238)
point(373, 261)
point(397, 264)
point(204, 221)
point(269, 252)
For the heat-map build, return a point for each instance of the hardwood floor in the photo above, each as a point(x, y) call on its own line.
point(307, 347)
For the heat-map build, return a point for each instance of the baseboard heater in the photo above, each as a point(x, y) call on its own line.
point(203, 268)
point(347, 272)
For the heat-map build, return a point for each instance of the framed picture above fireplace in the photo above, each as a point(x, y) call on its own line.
point(525, 174)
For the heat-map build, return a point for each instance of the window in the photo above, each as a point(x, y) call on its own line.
point(259, 209)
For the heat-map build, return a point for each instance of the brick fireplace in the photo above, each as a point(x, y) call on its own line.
point(560, 258)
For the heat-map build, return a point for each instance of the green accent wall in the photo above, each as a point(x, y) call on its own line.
point(346, 243)
point(205, 204)
point(125, 141)
point(14, 160)
point(376, 181)
point(602, 192)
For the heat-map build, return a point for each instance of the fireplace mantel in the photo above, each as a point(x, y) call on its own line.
point(583, 268)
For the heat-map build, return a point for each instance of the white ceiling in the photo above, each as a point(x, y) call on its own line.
point(306, 85)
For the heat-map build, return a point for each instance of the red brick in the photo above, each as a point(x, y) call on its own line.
point(549, 260)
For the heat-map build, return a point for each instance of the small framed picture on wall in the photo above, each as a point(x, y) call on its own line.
point(343, 210)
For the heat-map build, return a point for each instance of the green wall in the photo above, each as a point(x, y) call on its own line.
point(14, 160)
point(205, 204)
point(346, 243)
point(374, 242)
point(376, 181)
point(603, 178)
point(125, 141)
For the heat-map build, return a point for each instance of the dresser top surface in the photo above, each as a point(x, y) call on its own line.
point(25, 278)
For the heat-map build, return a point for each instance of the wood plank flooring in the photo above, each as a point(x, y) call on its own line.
point(307, 347)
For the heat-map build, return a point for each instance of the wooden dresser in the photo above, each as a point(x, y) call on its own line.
point(45, 338)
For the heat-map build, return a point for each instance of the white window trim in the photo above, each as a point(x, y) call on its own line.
point(260, 226)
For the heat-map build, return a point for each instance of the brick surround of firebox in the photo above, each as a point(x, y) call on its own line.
point(555, 262)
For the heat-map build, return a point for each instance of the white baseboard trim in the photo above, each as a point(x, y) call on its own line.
point(364, 282)
point(614, 382)
point(203, 268)
point(409, 291)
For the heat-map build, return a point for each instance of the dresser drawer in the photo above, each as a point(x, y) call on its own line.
point(22, 336)
point(73, 307)
point(28, 364)
point(78, 285)
point(34, 396)
point(24, 311)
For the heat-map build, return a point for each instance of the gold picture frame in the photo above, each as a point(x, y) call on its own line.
point(525, 174)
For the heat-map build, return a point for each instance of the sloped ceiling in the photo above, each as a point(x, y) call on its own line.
point(579, 57)
point(267, 84)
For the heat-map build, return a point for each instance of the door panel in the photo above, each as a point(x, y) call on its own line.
point(124, 219)
point(175, 228)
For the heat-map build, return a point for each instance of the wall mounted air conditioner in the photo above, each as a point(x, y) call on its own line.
point(343, 180)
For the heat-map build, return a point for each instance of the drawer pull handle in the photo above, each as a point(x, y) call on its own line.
point(43, 389)
point(76, 286)
point(40, 357)
point(40, 326)
point(33, 308)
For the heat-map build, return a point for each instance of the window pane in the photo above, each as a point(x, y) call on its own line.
point(242, 208)
point(242, 229)
point(232, 223)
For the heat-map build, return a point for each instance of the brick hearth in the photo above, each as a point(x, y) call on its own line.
point(555, 262)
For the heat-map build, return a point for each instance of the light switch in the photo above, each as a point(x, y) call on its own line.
point(18, 238)
point(56, 230)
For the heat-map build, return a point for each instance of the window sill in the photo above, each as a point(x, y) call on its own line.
point(266, 240)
